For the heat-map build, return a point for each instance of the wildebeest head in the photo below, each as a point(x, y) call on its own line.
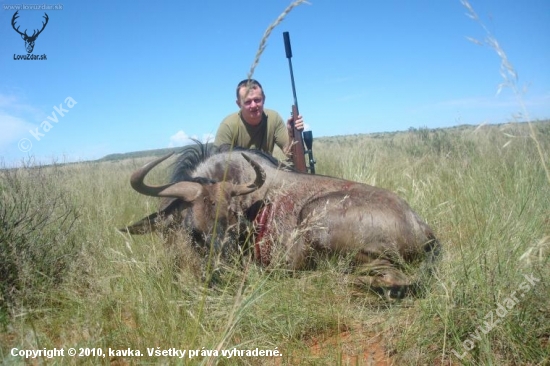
point(207, 204)
point(29, 40)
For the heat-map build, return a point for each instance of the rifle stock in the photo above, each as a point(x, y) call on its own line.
point(297, 145)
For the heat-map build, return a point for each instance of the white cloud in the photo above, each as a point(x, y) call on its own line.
point(12, 128)
point(180, 138)
point(208, 137)
point(14, 117)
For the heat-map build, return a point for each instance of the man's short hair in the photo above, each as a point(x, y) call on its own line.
point(249, 83)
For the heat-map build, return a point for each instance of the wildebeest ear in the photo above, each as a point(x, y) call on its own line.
point(186, 191)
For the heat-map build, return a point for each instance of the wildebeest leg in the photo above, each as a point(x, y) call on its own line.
point(284, 248)
point(383, 277)
point(393, 276)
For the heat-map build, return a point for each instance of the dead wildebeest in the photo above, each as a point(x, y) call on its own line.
point(291, 214)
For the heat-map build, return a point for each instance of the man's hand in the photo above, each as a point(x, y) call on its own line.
point(299, 124)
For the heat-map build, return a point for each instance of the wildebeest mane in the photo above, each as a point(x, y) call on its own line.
point(188, 160)
point(193, 155)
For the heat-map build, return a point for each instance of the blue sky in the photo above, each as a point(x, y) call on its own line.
point(145, 75)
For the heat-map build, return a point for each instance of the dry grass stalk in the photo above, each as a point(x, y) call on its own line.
point(267, 33)
point(509, 76)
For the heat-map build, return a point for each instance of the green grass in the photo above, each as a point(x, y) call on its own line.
point(483, 190)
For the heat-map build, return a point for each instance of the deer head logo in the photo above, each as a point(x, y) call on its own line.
point(29, 40)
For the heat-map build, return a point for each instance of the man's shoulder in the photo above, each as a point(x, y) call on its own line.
point(274, 119)
point(271, 114)
point(232, 118)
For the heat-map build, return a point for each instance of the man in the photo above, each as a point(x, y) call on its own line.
point(254, 127)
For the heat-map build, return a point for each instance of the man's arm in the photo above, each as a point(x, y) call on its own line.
point(281, 137)
point(290, 134)
point(224, 135)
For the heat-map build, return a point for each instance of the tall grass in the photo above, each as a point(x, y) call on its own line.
point(495, 213)
point(484, 192)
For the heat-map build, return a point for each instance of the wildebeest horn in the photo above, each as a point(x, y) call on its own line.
point(188, 191)
point(242, 189)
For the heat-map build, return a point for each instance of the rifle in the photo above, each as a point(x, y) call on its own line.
point(297, 145)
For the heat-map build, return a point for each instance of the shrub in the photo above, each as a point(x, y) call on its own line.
point(37, 240)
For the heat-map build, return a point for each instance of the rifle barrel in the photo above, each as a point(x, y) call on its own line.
point(288, 51)
point(298, 153)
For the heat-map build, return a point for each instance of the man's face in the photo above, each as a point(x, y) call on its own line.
point(251, 104)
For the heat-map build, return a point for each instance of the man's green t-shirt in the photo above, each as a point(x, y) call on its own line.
point(269, 132)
